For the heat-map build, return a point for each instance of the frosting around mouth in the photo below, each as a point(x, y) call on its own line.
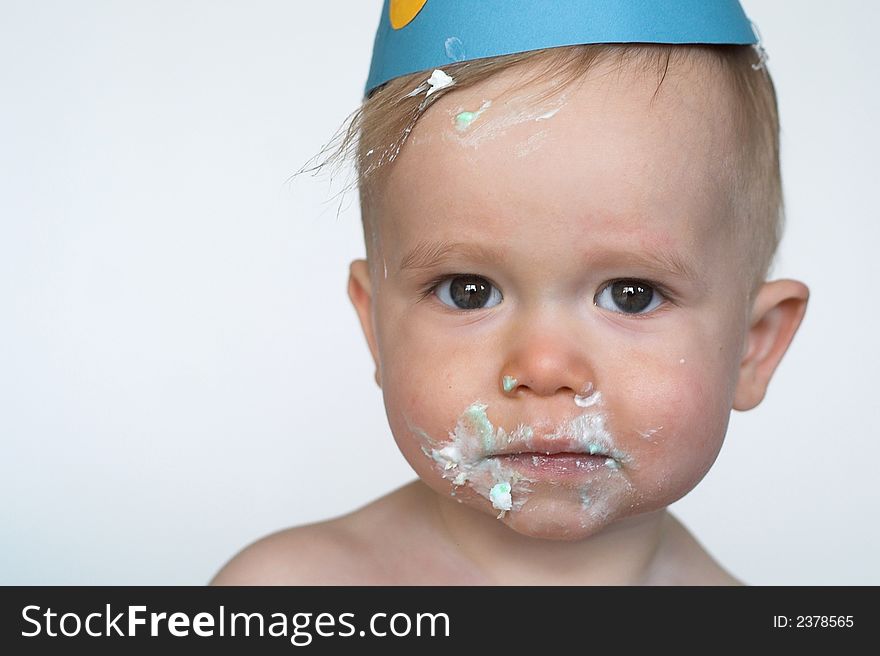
point(466, 459)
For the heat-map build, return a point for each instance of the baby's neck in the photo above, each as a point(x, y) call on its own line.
point(629, 552)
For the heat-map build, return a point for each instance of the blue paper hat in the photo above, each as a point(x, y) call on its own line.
point(417, 35)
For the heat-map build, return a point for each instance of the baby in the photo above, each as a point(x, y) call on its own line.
point(564, 295)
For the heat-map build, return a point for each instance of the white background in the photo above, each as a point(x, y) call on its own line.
point(181, 371)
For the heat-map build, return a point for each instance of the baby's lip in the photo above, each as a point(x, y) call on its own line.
point(548, 446)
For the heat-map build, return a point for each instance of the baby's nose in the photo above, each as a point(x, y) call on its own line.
point(546, 370)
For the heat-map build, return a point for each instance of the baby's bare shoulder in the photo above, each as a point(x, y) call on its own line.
point(686, 561)
point(324, 553)
point(367, 547)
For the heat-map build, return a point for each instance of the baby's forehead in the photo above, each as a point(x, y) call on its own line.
point(690, 92)
point(615, 142)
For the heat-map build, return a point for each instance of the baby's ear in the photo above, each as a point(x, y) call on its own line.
point(360, 293)
point(776, 315)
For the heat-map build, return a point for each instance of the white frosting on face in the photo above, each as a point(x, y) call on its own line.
point(650, 433)
point(466, 459)
point(499, 495)
point(504, 116)
point(548, 115)
point(587, 401)
point(588, 397)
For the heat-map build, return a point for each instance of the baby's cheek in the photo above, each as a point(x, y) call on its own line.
point(421, 405)
point(674, 429)
point(700, 418)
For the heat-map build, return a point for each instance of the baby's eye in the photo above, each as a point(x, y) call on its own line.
point(467, 292)
point(628, 297)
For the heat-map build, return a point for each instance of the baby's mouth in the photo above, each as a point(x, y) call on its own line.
point(554, 445)
point(556, 464)
point(542, 458)
point(502, 466)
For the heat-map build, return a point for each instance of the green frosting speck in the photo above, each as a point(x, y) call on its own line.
point(464, 119)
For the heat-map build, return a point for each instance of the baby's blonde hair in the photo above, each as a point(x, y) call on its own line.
point(378, 130)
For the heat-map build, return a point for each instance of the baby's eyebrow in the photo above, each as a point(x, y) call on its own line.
point(427, 255)
point(658, 259)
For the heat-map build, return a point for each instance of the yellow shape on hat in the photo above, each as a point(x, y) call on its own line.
point(403, 12)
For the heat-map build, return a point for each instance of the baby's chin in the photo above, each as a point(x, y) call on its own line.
point(561, 514)
point(550, 509)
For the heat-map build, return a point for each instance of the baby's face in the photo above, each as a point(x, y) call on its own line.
point(558, 311)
